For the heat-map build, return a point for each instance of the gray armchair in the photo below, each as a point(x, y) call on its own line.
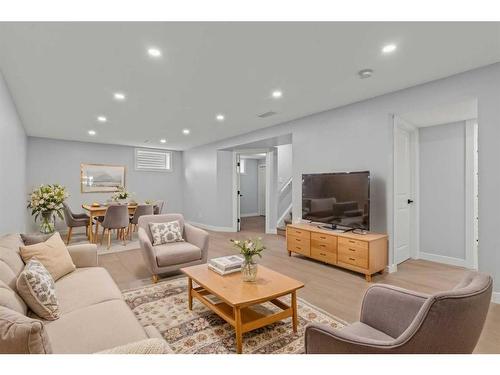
point(172, 256)
point(74, 220)
point(394, 320)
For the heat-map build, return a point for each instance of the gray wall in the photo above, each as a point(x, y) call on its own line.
point(442, 189)
point(249, 188)
point(359, 137)
point(284, 164)
point(56, 161)
point(13, 198)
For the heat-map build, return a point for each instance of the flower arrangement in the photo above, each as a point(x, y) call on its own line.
point(47, 201)
point(249, 248)
point(121, 194)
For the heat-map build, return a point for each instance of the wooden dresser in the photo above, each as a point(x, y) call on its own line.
point(363, 253)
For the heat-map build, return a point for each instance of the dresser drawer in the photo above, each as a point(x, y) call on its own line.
point(324, 256)
point(298, 245)
point(352, 259)
point(353, 251)
point(298, 233)
point(331, 246)
point(348, 242)
point(325, 238)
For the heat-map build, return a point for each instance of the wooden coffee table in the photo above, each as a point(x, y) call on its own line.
point(237, 297)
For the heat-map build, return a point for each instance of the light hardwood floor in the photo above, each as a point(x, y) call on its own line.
point(338, 291)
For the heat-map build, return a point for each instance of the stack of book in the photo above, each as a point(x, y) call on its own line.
point(226, 265)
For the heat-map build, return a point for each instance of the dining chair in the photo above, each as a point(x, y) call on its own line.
point(141, 210)
point(74, 220)
point(116, 218)
point(158, 207)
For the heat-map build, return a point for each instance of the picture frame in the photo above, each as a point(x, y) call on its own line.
point(102, 178)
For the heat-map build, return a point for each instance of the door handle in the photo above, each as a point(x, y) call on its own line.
point(410, 201)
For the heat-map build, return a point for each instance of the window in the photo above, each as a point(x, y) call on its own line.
point(242, 166)
point(153, 160)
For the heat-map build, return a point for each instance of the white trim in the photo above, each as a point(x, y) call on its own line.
point(285, 185)
point(391, 268)
point(250, 214)
point(443, 259)
point(234, 192)
point(212, 227)
point(287, 211)
point(471, 245)
point(495, 297)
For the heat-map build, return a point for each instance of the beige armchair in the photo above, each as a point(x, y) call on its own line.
point(172, 256)
point(394, 320)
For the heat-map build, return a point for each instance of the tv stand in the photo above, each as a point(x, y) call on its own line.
point(363, 253)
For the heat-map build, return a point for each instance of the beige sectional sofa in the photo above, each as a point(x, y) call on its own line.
point(93, 315)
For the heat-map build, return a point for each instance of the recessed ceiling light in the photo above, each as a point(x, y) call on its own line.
point(388, 48)
point(102, 119)
point(277, 94)
point(186, 131)
point(163, 140)
point(91, 132)
point(220, 117)
point(119, 96)
point(154, 52)
point(365, 73)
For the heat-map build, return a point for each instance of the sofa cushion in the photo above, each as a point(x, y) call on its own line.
point(34, 238)
point(95, 328)
point(22, 335)
point(176, 253)
point(11, 300)
point(36, 286)
point(167, 232)
point(85, 287)
point(53, 254)
point(11, 263)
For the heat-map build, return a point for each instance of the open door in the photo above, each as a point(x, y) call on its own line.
point(238, 193)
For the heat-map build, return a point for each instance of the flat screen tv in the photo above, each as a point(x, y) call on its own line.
point(342, 199)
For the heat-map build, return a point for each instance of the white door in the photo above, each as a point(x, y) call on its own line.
point(238, 193)
point(403, 192)
point(262, 189)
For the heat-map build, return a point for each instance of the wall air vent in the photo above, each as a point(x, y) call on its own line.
point(267, 114)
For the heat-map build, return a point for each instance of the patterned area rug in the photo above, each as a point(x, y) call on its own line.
point(164, 305)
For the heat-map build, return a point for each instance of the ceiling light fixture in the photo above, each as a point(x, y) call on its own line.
point(119, 96)
point(154, 52)
point(91, 132)
point(388, 48)
point(277, 94)
point(220, 117)
point(102, 119)
point(163, 140)
point(186, 131)
point(365, 73)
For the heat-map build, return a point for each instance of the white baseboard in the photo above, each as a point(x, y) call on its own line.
point(442, 259)
point(250, 215)
point(391, 268)
point(495, 297)
point(212, 227)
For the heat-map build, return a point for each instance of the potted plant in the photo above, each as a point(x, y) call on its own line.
point(45, 203)
point(121, 195)
point(249, 248)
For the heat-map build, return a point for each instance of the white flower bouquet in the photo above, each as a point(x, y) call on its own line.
point(46, 202)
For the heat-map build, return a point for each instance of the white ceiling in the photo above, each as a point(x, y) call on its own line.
point(63, 75)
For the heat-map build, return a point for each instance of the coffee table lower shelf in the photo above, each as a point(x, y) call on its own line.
point(243, 318)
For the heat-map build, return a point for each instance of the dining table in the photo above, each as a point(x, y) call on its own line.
point(95, 211)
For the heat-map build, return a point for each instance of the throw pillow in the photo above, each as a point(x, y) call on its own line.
point(52, 253)
point(163, 233)
point(36, 286)
point(33, 238)
point(22, 335)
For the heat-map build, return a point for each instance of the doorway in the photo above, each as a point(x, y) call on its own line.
point(435, 185)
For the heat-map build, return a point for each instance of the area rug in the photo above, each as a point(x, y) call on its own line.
point(164, 305)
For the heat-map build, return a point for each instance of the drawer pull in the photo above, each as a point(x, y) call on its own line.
point(322, 245)
point(322, 254)
point(352, 249)
point(352, 259)
point(323, 238)
point(299, 248)
point(298, 240)
point(351, 241)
